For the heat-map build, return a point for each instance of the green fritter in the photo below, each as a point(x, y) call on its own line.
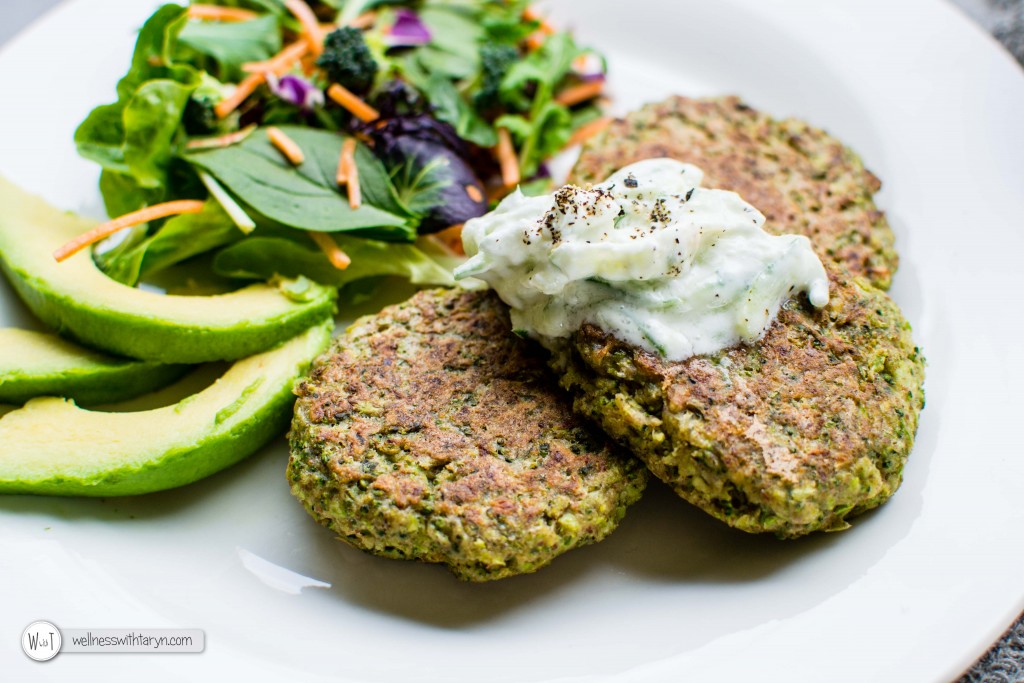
point(797, 432)
point(803, 180)
point(430, 432)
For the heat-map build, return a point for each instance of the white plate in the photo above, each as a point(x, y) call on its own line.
point(914, 591)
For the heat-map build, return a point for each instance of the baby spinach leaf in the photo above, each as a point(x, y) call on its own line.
point(450, 107)
point(133, 137)
point(121, 194)
point(454, 49)
point(151, 119)
point(306, 197)
point(177, 240)
point(100, 137)
point(154, 51)
point(232, 44)
point(185, 236)
point(123, 262)
point(261, 258)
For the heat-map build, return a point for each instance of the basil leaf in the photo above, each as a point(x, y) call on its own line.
point(307, 197)
point(260, 258)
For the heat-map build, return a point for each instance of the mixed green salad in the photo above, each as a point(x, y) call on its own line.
point(250, 106)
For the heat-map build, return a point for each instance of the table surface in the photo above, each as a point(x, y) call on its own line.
point(1004, 19)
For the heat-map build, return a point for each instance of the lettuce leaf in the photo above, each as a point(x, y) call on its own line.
point(260, 258)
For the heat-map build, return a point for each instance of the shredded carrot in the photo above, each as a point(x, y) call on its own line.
point(364, 21)
point(288, 147)
point(348, 161)
point(581, 92)
point(506, 154)
point(104, 230)
point(216, 13)
point(245, 88)
point(587, 131)
point(310, 24)
point(338, 258)
point(280, 63)
point(544, 29)
point(308, 64)
point(342, 174)
point(474, 193)
point(451, 239)
point(221, 140)
point(358, 108)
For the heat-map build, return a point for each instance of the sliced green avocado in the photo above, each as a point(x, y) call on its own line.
point(78, 300)
point(38, 364)
point(53, 447)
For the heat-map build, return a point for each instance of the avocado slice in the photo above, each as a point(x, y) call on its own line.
point(38, 364)
point(78, 300)
point(51, 446)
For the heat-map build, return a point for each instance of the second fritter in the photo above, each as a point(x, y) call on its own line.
point(797, 432)
point(430, 432)
point(803, 180)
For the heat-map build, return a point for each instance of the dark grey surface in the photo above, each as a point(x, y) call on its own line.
point(1004, 663)
point(1002, 18)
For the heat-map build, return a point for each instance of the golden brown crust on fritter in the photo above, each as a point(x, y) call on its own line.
point(794, 433)
point(431, 432)
point(803, 180)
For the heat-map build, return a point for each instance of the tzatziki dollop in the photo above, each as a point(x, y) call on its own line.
point(647, 256)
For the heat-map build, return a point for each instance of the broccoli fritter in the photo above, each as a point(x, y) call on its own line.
point(797, 432)
point(804, 181)
point(430, 432)
point(347, 60)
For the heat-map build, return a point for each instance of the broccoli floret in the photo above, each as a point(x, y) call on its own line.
point(347, 60)
point(495, 61)
point(199, 117)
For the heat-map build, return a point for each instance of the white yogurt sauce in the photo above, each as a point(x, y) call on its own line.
point(647, 256)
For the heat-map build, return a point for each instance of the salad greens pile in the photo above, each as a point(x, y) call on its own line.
point(442, 77)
